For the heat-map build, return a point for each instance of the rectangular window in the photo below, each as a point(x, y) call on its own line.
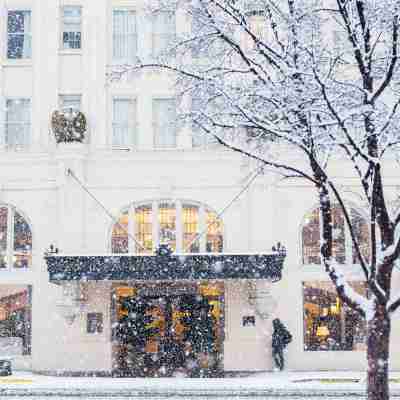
point(167, 224)
point(164, 123)
point(72, 27)
point(124, 36)
point(70, 101)
point(18, 122)
point(164, 29)
point(19, 34)
point(200, 138)
point(190, 218)
point(143, 231)
point(94, 323)
point(124, 122)
point(328, 323)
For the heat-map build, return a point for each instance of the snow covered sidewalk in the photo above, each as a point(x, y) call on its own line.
point(275, 384)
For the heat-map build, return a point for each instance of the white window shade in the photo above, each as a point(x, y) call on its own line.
point(124, 122)
point(71, 27)
point(70, 101)
point(18, 122)
point(164, 30)
point(164, 123)
point(19, 37)
point(124, 36)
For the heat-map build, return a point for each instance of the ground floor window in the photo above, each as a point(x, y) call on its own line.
point(328, 323)
point(15, 320)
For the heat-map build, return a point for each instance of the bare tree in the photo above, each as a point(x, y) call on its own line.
point(318, 78)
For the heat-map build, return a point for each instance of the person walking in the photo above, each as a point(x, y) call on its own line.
point(281, 337)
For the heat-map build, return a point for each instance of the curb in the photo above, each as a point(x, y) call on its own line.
point(143, 393)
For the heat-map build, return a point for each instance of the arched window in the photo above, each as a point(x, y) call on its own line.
point(344, 251)
point(15, 240)
point(170, 222)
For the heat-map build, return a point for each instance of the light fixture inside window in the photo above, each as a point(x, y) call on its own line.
point(323, 331)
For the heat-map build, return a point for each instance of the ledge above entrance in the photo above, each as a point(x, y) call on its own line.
point(165, 267)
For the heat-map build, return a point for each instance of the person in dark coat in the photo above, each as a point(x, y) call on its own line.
point(281, 337)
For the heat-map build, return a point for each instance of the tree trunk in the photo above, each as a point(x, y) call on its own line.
point(378, 334)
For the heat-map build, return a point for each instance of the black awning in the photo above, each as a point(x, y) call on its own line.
point(165, 267)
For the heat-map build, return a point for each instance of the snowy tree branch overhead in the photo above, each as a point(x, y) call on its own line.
point(301, 85)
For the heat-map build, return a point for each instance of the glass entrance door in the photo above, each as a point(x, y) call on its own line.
point(162, 332)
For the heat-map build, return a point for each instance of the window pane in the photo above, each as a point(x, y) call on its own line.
point(361, 232)
point(3, 236)
point(163, 31)
point(190, 220)
point(338, 232)
point(124, 35)
point(19, 34)
point(94, 323)
point(214, 241)
point(22, 243)
point(311, 238)
point(70, 101)
point(18, 125)
point(167, 222)
point(143, 229)
point(72, 27)
point(329, 324)
point(200, 138)
point(124, 122)
point(119, 239)
point(164, 122)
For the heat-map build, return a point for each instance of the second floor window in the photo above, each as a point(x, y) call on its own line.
point(19, 36)
point(164, 123)
point(70, 101)
point(18, 122)
point(124, 36)
point(200, 138)
point(163, 31)
point(72, 32)
point(124, 122)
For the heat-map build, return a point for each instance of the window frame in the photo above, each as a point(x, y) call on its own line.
point(128, 9)
point(348, 243)
point(62, 49)
point(10, 252)
point(62, 96)
point(16, 147)
point(313, 283)
point(179, 204)
point(98, 320)
point(173, 34)
point(133, 125)
point(155, 123)
point(20, 60)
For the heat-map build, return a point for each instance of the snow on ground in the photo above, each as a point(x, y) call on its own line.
point(273, 383)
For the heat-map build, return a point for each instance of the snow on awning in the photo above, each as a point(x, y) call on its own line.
point(165, 267)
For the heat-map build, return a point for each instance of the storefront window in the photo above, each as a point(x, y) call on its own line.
point(15, 320)
point(343, 248)
point(15, 240)
point(187, 228)
point(328, 323)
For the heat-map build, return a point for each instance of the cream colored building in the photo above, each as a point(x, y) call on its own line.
point(162, 181)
